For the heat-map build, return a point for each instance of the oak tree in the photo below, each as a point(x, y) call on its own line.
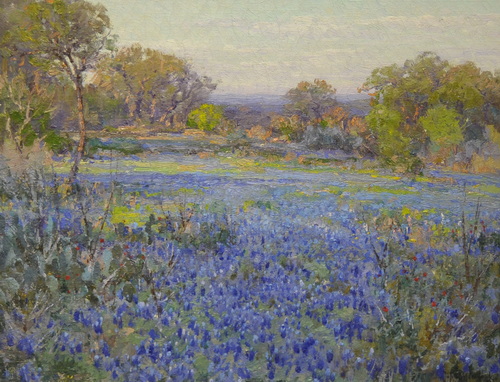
point(68, 37)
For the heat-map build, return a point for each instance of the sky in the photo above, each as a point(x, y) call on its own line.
point(268, 46)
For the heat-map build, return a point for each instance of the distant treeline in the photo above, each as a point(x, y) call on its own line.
point(426, 110)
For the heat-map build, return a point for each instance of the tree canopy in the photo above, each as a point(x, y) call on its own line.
point(310, 100)
point(155, 87)
point(27, 90)
point(427, 101)
point(65, 36)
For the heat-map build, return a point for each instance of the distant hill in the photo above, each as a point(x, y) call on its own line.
point(357, 104)
point(359, 107)
point(258, 102)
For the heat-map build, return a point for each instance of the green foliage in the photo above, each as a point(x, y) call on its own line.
point(26, 114)
point(141, 79)
point(65, 35)
point(102, 109)
point(439, 104)
point(249, 204)
point(442, 126)
point(121, 145)
point(393, 144)
point(310, 100)
point(206, 118)
point(154, 86)
point(56, 142)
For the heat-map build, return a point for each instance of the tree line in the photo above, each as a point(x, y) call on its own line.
point(424, 110)
point(60, 66)
point(61, 69)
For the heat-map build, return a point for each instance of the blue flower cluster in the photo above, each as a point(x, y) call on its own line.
point(308, 290)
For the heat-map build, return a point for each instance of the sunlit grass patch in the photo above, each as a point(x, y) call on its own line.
point(336, 190)
point(395, 191)
point(389, 177)
point(314, 170)
point(126, 215)
point(489, 188)
point(264, 205)
point(433, 180)
point(301, 194)
point(168, 168)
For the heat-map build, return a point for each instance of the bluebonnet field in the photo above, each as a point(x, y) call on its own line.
point(253, 276)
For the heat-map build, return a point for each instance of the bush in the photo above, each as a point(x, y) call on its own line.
point(318, 138)
point(206, 118)
point(121, 145)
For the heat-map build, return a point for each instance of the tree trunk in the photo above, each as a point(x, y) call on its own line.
point(83, 131)
point(138, 105)
point(171, 120)
point(13, 136)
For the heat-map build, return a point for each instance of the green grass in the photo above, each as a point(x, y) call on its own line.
point(489, 188)
point(168, 168)
point(395, 191)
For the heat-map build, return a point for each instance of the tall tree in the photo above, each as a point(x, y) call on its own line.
point(26, 92)
point(310, 100)
point(156, 87)
point(68, 36)
point(139, 77)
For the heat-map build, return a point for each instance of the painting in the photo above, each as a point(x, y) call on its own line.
point(214, 190)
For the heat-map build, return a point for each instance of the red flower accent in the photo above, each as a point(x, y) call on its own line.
point(434, 303)
point(414, 258)
point(385, 309)
point(67, 278)
point(445, 293)
point(416, 279)
point(424, 274)
point(77, 248)
point(101, 240)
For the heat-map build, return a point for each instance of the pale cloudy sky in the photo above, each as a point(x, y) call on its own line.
point(268, 46)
